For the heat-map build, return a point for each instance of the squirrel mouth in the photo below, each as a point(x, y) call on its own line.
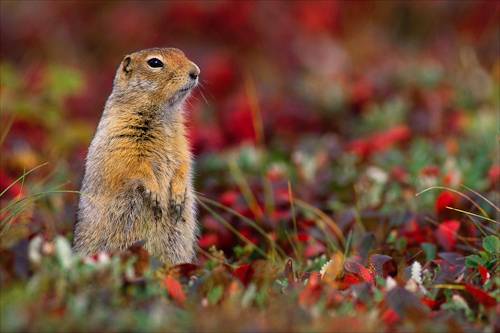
point(187, 87)
point(181, 93)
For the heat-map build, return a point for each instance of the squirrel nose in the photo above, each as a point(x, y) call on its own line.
point(194, 72)
point(193, 75)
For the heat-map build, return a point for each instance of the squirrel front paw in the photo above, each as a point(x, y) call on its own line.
point(152, 199)
point(176, 207)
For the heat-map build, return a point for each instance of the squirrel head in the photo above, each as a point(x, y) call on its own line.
point(160, 76)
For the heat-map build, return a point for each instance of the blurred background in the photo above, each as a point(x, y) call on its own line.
point(358, 104)
point(321, 130)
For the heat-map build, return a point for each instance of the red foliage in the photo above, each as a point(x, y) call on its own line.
point(379, 142)
point(312, 292)
point(208, 239)
point(220, 74)
point(315, 17)
point(349, 280)
point(485, 275)
point(15, 191)
point(364, 273)
point(244, 273)
point(174, 289)
point(481, 296)
point(415, 234)
point(303, 236)
point(446, 199)
point(400, 174)
point(228, 198)
point(446, 234)
point(494, 175)
point(431, 304)
point(314, 249)
point(390, 317)
point(250, 235)
point(362, 91)
point(237, 121)
point(430, 171)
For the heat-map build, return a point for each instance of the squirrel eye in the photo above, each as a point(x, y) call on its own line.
point(155, 63)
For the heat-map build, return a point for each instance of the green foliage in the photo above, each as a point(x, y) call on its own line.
point(430, 251)
point(491, 244)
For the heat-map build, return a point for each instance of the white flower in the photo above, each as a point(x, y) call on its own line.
point(64, 252)
point(34, 249)
point(415, 282)
point(324, 268)
point(390, 283)
point(377, 174)
point(416, 272)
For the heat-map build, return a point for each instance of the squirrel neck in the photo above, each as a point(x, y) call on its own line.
point(150, 113)
point(140, 127)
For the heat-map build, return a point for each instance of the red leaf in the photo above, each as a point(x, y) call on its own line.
point(485, 275)
point(431, 304)
point(250, 235)
point(244, 273)
point(380, 141)
point(312, 291)
point(430, 171)
point(303, 236)
point(387, 139)
point(350, 279)
point(445, 199)
point(481, 296)
point(15, 191)
point(447, 234)
point(360, 270)
point(314, 249)
point(494, 174)
point(174, 289)
point(390, 317)
point(208, 240)
point(366, 275)
point(228, 198)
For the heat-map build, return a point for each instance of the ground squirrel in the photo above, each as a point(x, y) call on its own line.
point(137, 184)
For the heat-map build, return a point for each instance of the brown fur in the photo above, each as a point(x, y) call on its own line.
point(137, 183)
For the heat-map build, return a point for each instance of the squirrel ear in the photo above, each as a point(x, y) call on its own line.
point(126, 65)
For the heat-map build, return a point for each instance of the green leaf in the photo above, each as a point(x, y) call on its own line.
point(429, 250)
point(401, 244)
point(215, 295)
point(63, 81)
point(473, 260)
point(491, 244)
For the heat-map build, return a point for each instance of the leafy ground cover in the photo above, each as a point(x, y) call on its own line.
point(346, 167)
